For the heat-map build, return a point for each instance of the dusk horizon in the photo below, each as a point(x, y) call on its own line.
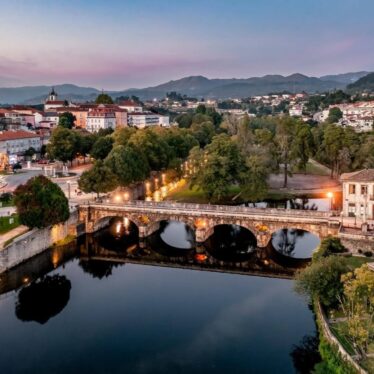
point(120, 45)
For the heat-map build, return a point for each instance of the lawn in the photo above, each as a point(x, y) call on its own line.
point(184, 194)
point(5, 226)
point(313, 168)
point(355, 262)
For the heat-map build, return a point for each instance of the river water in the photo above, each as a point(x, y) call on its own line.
point(112, 304)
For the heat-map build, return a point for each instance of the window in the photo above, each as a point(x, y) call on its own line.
point(364, 189)
point(352, 189)
point(351, 209)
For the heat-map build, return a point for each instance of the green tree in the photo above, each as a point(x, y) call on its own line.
point(67, 120)
point(329, 246)
point(335, 114)
point(203, 132)
point(101, 148)
point(151, 143)
point(302, 145)
point(63, 144)
point(41, 203)
point(358, 307)
point(30, 152)
point(99, 179)
point(201, 109)
point(284, 139)
point(128, 164)
point(104, 99)
point(122, 135)
point(254, 185)
point(322, 280)
point(220, 168)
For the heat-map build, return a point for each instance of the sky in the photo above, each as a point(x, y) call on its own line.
point(119, 44)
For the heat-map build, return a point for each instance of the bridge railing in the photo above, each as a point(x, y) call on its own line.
point(169, 205)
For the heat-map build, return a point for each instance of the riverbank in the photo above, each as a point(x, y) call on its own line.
point(22, 246)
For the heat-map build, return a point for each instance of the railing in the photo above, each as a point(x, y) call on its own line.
point(214, 208)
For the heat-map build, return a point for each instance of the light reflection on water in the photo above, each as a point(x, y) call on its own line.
point(123, 316)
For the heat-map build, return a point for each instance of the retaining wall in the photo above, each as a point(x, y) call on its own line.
point(35, 241)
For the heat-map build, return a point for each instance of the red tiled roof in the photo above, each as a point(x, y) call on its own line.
point(13, 135)
point(365, 175)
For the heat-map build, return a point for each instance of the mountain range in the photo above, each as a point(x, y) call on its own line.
point(194, 86)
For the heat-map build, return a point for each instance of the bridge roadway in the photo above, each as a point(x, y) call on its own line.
point(262, 222)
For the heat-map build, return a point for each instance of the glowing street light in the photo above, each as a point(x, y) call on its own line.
point(117, 198)
point(330, 195)
point(126, 196)
point(163, 179)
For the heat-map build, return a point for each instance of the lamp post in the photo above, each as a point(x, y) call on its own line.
point(330, 195)
point(68, 182)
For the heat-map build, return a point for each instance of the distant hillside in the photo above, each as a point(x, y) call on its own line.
point(200, 86)
point(346, 78)
point(36, 94)
point(365, 83)
point(195, 86)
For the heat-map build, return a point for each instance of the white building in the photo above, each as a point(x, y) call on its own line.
point(296, 111)
point(52, 102)
point(147, 119)
point(130, 106)
point(100, 118)
point(358, 194)
point(15, 143)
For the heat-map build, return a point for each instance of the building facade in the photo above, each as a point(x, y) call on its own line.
point(358, 194)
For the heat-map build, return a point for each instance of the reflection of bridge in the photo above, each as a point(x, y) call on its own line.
point(262, 222)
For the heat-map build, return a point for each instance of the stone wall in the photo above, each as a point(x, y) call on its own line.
point(35, 241)
point(356, 243)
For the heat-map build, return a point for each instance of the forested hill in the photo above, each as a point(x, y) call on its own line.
point(365, 83)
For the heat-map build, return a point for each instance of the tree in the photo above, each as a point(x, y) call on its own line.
point(302, 145)
point(358, 307)
point(41, 203)
point(99, 179)
point(30, 152)
point(122, 135)
point(254, 185)
point(284, 139)
point(153, 146)
point(104, 99)
point(128, 164)
point(201, 109)
point(335, 114)
point(101, 148)
point(67, 120)
point(203, 132)
point(322, 280)
point(329, 246)
point(63, 145)
point(219, 169)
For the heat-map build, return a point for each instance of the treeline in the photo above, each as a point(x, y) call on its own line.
point(245, 151)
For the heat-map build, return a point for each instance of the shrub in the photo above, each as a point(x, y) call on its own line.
point(368, 253)
point(329, 246)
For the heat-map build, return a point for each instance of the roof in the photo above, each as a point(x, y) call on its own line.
point(13, 135)
point(365, 175)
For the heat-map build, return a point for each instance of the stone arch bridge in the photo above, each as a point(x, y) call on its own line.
point(262, 222)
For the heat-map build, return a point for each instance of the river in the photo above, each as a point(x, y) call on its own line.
point(112, 304)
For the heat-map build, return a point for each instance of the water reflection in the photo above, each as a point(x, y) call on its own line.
point(295, 243)
point(43, 299)
point(231, 243)
point(177, 234)
point(98, 268)
point(305, 355)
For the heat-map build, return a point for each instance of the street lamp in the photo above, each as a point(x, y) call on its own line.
point(68, 182)
point(330, 195)
point(126, 196)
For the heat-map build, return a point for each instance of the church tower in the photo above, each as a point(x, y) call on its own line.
point(52, 95)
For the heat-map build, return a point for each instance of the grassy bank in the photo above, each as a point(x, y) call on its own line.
point(184, 194)
point(5, 224)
